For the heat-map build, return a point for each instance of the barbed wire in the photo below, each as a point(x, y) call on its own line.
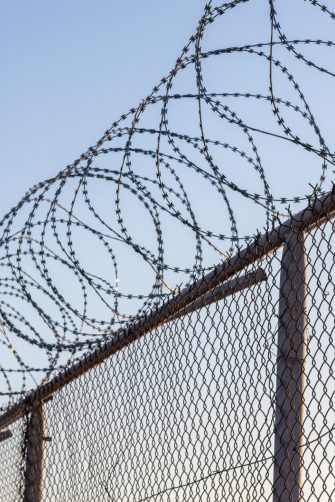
point(72, 251)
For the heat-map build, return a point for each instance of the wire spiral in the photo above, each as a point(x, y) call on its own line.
point(98, 245)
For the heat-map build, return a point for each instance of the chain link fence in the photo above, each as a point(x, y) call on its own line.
point(225, 392)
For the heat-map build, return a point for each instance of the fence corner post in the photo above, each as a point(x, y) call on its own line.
point(291, 355)
point(34, 455)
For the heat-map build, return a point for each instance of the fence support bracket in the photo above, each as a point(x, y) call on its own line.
point(5, 435)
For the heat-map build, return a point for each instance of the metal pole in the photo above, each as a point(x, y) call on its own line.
point(223, 291)
point(291, 354)
point(34, 459)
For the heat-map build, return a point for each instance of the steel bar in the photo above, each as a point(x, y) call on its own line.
point(291, 355)
point(317, 209)
point(34, 456)
point(5, 435)
point(222, 291)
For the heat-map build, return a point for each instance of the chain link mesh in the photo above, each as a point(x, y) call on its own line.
point(146, 389)
point(12, 461)
point(230, 401)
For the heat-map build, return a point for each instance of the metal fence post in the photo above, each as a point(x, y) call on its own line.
point(34, 455)
point(291, 354)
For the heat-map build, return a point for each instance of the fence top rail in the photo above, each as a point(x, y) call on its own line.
point(318, 209)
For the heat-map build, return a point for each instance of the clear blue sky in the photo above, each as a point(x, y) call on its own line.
point(70, 68)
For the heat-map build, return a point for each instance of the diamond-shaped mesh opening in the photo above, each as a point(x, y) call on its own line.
point(231, 399)
point(12, 463)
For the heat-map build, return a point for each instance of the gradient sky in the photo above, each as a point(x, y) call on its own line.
point(70, 68)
